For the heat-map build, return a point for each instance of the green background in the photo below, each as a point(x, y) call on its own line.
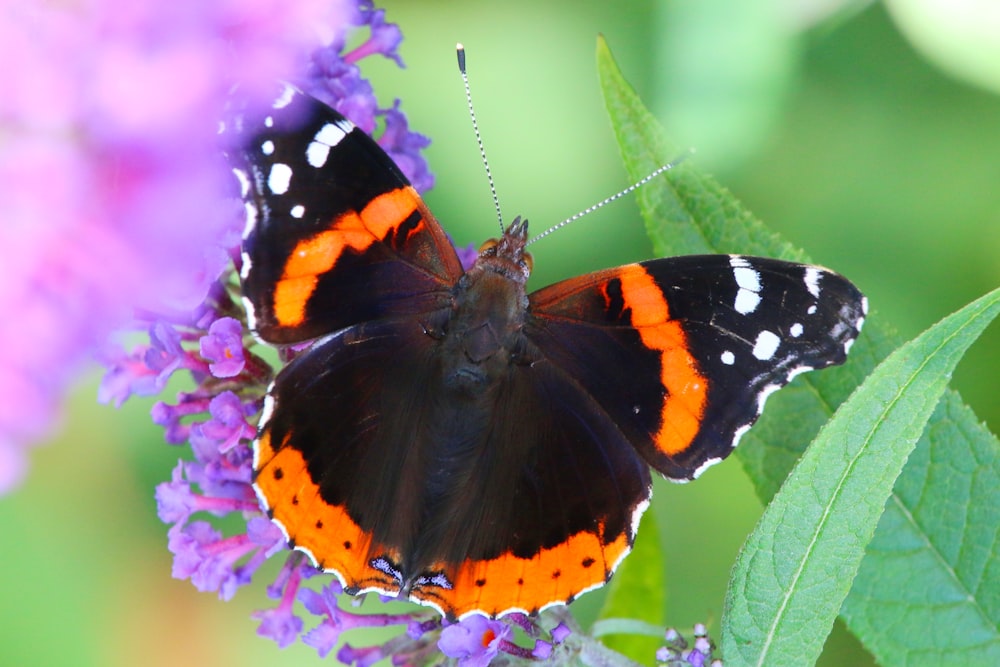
point(836, 133)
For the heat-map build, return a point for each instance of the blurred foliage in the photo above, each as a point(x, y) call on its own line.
point(830, 127)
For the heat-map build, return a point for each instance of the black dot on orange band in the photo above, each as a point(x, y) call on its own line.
point(295, 500)
point(319, 524)
point(520, 582)
point(587, 562)
point(347, 545)
point(556, 574)
point(278, 473)
point(480, 582)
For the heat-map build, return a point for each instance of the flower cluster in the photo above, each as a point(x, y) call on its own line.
point(109, 175)
point(677, 652)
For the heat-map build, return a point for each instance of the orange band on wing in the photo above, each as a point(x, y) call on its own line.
point(684, 403)
point(318, 254)
point(335, 542)
point(555, 575)
point(389, 210)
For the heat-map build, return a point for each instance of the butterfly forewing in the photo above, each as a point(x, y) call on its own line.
point(690, 347)
point(319, 194)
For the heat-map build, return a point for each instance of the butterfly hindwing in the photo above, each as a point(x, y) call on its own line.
point(514, 498)
point(335, 233)
point(682, 352)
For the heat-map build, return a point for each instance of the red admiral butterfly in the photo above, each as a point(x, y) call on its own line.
point(451, 439)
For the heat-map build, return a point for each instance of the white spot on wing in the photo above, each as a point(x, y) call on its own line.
point(267, 148)
point(797, 371)
point(738, 434)
point(748, 281)
point(705, 466)
point(251, 219)
point(279, 178)
point(268, 408)
point(298, 211)
point(328, 136)
point(332, 134)
point(763, 395)
point(285, 98)
point(795, 330)
point(241, 176)
point(636, 518)
point(812, 280)
point(766, 345)
point(251, 316)
point(728, 358)
point(317, 153)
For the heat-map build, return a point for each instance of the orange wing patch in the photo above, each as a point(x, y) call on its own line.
point(684, 403)
point(510, 583)
point(325, 532)
point(505, 584)
point(319, 253)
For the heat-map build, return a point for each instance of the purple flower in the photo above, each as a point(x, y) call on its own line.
point(385, 37)
point(170, 416)
point(678, 651)
point(325, 636)
point(223, 346)
point(227, 426)
point(279, 623)
point(110, 179)
point(542, 650)
point(361, 656)
point(475, 641)
point(335, 79)
point(404, 147)
point(560, 633)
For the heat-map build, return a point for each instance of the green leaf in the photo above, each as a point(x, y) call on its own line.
point(796, 568)
point(928, 591)
point(636, 592)
point(686, 212)
point(953, 542)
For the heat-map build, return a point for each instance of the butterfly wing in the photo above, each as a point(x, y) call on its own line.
point(682, 352)
point(335, 233)
point(513, 498)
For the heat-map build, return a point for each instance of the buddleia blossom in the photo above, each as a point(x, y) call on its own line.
point(109, 177)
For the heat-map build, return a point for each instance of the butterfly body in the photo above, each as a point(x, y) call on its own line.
point(453, 439)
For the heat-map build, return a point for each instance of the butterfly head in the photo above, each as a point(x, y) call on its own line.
point(506, 254)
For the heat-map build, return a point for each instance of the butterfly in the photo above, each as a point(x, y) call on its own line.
point(450, 438)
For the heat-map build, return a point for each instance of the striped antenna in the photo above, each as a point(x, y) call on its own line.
point(475, 128)
point(638, 184)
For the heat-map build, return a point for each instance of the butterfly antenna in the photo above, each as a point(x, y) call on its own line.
point(638, 184)
point(475, 128)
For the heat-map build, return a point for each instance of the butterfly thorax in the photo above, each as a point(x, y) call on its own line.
point(483, 336)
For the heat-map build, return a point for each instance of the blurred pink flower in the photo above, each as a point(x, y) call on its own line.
point(108, 176)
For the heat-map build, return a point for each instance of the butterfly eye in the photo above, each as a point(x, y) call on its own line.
point(528, 261)
point(488, 245)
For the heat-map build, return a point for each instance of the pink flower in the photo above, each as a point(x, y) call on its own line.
point(109, 172)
